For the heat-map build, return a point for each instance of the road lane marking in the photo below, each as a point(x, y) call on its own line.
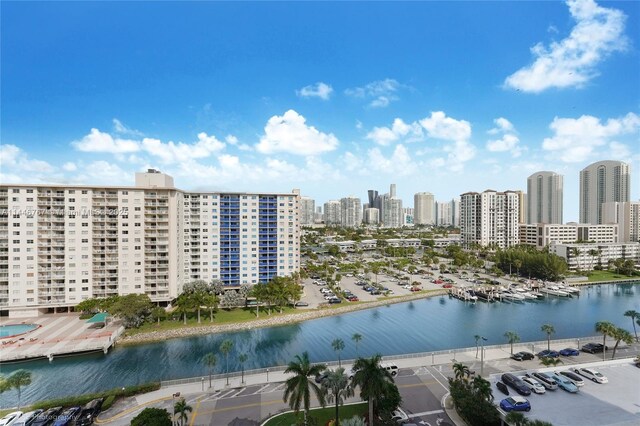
point(195, 412)
point(261, 389)
point(238, 407)
point(426, 413)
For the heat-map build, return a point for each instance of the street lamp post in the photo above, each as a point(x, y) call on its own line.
point(202, 381)
point(482, 340)
point(267, 375)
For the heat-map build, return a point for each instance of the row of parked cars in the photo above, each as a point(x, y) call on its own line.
point(540, 382)
point(56, 416)
point(591, 348)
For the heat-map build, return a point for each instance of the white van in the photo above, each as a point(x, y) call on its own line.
point(390, 367)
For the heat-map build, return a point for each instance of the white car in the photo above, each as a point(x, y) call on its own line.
point(399, 415)
point(10, 418)
point(592, 374)
point(325, 290)
point(406, 287)
point(533, 384)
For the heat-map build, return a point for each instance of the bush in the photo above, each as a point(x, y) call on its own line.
point(152, 416)
point(108, 402)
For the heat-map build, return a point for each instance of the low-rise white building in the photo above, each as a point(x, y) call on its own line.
point(543, 234)
point(586, 256)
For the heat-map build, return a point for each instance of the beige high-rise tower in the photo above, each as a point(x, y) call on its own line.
point(602, 182)
point(424, 208)
point(544, 197)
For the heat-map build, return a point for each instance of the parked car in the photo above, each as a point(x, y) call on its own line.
point(391, 368)
point(502, 388)
point(399, 416)
point(548, 354)
point(534, 385)
point(10, 418)
point(447, 285)
point(515, 403)
point(522, 356)
point(90, 412)
point(335, 300)
point(27, 418)
point(564, 383)
point(592, 374)
point(301, 304)
point(68, 416)
point(515, 383)
point(577, 380)
point(569, 352)
point(593, 348)
point(354, 299)
point(415, 289)
point(45, 418)
point(322, 377)
point(545, 379)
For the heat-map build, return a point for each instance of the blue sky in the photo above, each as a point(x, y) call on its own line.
point(332, 98)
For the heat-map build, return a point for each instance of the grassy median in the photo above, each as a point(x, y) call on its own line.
point(322, 415)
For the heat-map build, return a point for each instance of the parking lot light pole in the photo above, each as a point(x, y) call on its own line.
point(267, 375)
point(482, 340)
point(202, 381)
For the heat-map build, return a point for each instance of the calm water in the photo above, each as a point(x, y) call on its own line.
point(420, 326)
point(15, 329)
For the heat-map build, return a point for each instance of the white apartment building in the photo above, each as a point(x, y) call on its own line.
point(447, 213)
point(602, 182)
point(350, 212)
point(60, 245)
point(332, 212)
point(371, 216)
point(542, 235)
point(424, 209)
point(627, 216)
point(587, 256)
point(307, 211)
point(544, 198)
point(489, 218)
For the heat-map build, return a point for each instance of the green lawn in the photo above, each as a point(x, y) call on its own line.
point(323, 415)
point(597, 276)
point(221, 316)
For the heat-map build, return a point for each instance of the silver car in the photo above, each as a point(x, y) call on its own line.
point(534, 385)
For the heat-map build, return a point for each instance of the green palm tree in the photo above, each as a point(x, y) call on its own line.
point(460, 370)
point(620, 334)
point(298, 388)
point(210, 361)
point(337, 388)
point(225, 349)
point(512, 337)
point(549, 329)
point(516, 418)
point(242, 358)
point(338, 346)
point(357, 338)
point(182, 408)
point(18, 380)
point(372, 379)
point(477, 337)
point(633, 315)
point(482, 387)
point(547, 361)
point(607, 329)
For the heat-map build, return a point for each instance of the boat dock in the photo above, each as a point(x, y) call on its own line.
point(57, 336)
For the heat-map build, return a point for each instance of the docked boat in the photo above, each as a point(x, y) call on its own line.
point(569, 289)
point(554, 290)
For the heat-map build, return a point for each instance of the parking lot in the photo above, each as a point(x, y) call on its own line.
point(613, 403)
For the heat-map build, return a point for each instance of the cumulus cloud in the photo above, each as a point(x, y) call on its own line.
point(319, 90)
point(290, 133)
point(379, 93)
point(69, 167)
point(171, 152)
point(576, 140)
point(399, 163)
point(399, 129)
point(439, 126)
point(13, 157)
point(572, 61)
point(508, 142)
point(120, 128)
point(98, 141)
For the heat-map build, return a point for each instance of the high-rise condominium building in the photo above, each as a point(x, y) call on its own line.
point(489, 218)
point(392, 213)
point(63, 244)
point(307, 211)
point(602, 182)
point(447, 213)
point(627, 216)
point(351, 212)
point(522, 206)
point(332, 212)
point(544, 198)
point(371, 216)
point(424, 205)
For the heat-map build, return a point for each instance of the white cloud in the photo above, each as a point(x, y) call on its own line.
point(319, 90)
point(508, 142)
point(400, 162)
point(98, 141)
point(439, 126)
point(576, 140)
point(459, 153)
point(399, 129)
point(120, 128)
point(619, 150)
point(69, 167)
point(13, 157)
point(231, 140)
point(171, 152)
point(381, 92)
point(572, 62)
point(290, 133)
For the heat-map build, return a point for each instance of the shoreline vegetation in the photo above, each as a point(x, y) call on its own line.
point(275, 319)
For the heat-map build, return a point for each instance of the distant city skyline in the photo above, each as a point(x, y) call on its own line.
point(307, 95)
